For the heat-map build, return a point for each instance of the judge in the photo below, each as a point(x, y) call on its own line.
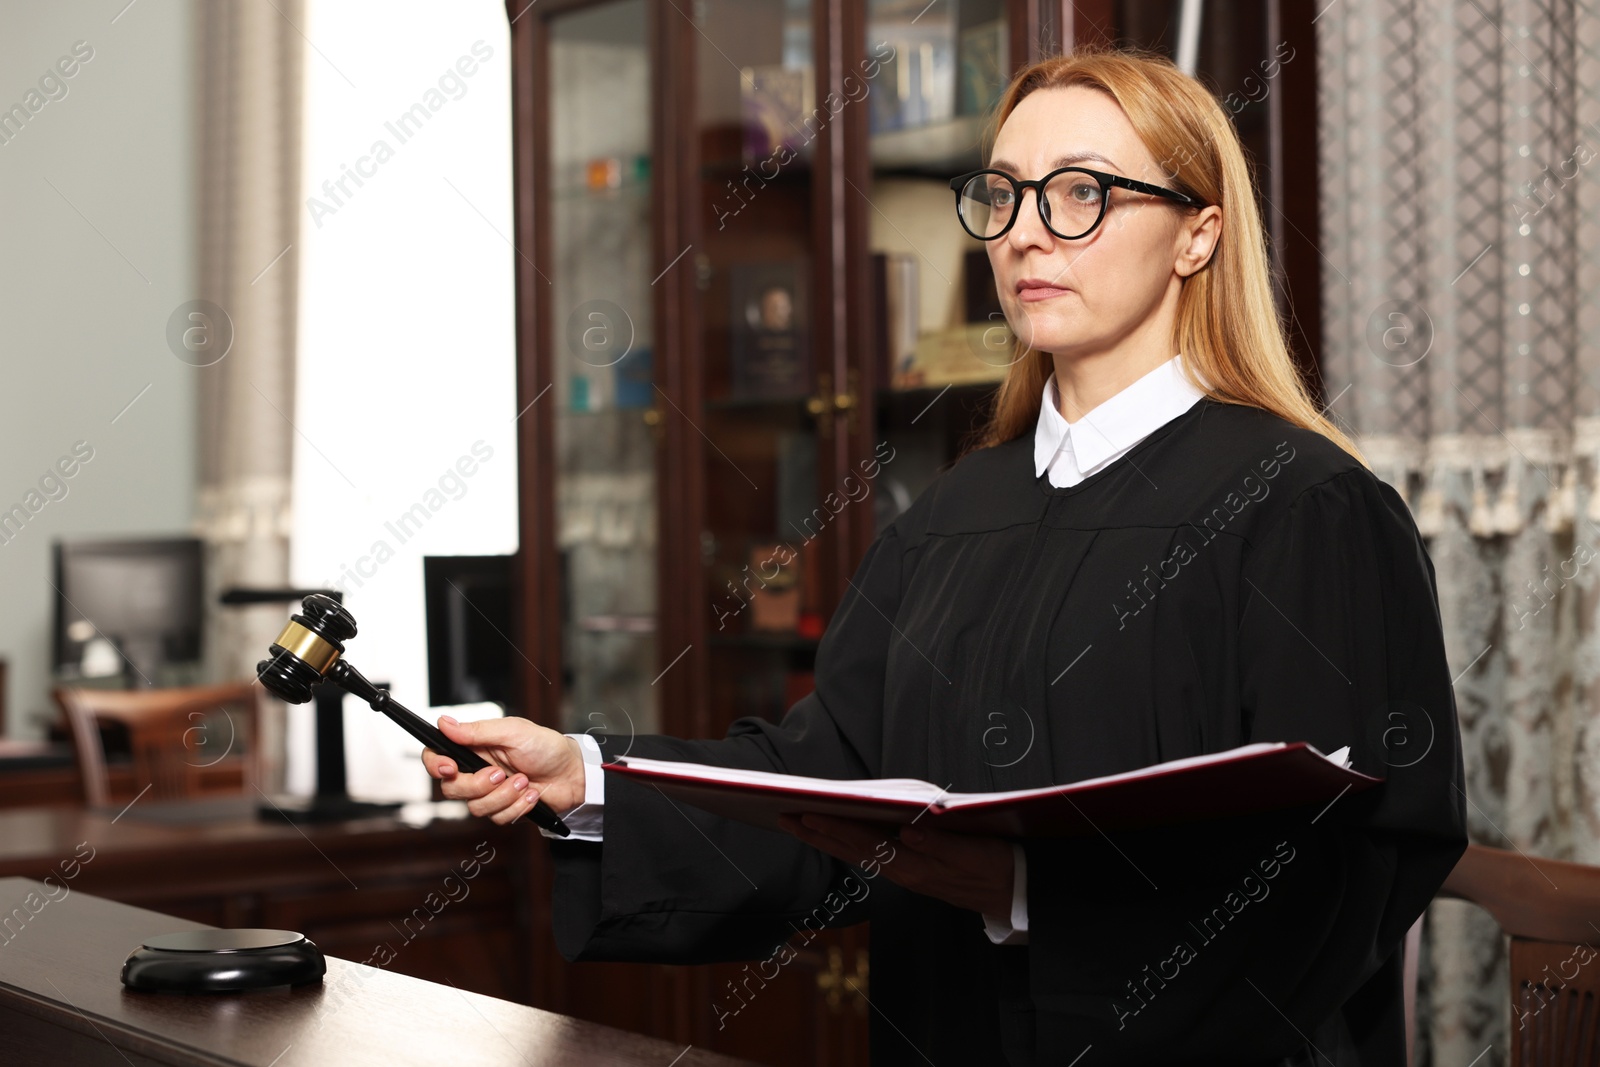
point(1161, 549)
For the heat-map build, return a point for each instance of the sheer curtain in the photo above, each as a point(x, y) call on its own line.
point(249, 181)
point(1461, 238)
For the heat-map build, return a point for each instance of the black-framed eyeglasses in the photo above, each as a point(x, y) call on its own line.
point(1071, 200)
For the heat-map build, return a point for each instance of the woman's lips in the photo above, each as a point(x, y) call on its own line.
point(1032, 293)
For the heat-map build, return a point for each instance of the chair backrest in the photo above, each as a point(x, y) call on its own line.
point(174, 734)
point(1550, 910)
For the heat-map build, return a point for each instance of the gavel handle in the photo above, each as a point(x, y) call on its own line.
point(430, 735)
point(352, 681)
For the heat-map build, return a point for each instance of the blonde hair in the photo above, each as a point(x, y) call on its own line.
point(1228, 327)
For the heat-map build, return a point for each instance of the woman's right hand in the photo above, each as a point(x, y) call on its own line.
point(526, 761)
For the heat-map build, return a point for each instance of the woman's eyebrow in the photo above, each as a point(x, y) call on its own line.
point(1064, 161)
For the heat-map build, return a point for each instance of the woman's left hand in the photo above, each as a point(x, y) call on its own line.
point(969, 872)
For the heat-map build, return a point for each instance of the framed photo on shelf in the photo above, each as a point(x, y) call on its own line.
point(770, 343)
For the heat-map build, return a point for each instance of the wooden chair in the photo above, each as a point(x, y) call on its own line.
point(1550, 909)
point(171, 732)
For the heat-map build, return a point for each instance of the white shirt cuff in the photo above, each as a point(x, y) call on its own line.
point(1014, 932)
point(587, 820)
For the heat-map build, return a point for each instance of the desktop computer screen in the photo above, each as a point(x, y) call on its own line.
point(470, 603)
point(127, 606)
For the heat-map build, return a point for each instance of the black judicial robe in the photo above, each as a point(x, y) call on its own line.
point(1232, 579)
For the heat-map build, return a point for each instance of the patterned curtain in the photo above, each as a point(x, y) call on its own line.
point(1461, 239)
point(240, 333)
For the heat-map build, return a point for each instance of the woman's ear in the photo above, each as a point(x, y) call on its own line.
point(1197, 239)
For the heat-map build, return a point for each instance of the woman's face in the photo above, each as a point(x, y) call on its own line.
point(1086, 295)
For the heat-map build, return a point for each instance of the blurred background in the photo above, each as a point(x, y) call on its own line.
point(582, 347)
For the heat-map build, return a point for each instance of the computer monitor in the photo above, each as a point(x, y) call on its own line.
point(132, 605)
point(470, 603)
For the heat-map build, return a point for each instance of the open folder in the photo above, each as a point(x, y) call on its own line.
point(1252, 778)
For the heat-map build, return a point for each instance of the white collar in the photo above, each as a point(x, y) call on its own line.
point(1115, 424)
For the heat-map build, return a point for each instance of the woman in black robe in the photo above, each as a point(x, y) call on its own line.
point(1231, 574)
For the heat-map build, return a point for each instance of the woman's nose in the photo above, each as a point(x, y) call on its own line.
point(1028, 231)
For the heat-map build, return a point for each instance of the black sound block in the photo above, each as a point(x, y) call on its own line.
point(320, 809)
point(223, 961)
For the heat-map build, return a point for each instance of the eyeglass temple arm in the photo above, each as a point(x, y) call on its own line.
point(1155, 190)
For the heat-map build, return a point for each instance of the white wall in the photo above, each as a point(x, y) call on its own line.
point(96, 219)
point(406, 359)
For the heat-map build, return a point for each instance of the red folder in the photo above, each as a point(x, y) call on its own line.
point(1252, 778)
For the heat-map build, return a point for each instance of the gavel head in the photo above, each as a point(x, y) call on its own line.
point(310, 644)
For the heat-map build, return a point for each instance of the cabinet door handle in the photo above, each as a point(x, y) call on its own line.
point(830, 981)
point(834, 981)
point(821, 406)
point(847, 401)
point(858, 982)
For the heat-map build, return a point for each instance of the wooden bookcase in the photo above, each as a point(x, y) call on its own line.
point(712, 428)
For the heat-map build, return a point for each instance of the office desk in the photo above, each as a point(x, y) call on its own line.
point(62, 1001)
point(361, 890)
point(38, 772)
point(46, 772)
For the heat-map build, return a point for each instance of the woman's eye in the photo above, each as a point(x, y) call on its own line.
point(1085, 192)
point(1000, 197)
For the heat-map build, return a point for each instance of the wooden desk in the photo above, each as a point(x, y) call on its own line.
point(360, 890)
point(46, 772)
point(356, 890)
point(62, 1001)
point(38, 772)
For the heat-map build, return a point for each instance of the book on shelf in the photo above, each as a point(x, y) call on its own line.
point(775, 104)
point(982, 51)
point(980, 298)
point(796, 686)
point(775, 597)
point(916, 83)
point(633, 384)
point(1249, 779)
point(895, 284)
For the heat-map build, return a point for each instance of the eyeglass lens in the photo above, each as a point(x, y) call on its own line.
point(1071, 204)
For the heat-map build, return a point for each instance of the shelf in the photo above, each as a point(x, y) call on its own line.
point(613, 410)
point(610, 192)
point(748, 403)
point(617, 624)
point(946, 148)
point(796, 171)
point(928, 392)
point(779, 642)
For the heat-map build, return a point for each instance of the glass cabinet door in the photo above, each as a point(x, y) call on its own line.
point(941, 344)
point(763, 361)
point(603, 383)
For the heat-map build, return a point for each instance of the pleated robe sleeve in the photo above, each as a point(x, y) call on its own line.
point(1254, 938)
point(671, 883)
